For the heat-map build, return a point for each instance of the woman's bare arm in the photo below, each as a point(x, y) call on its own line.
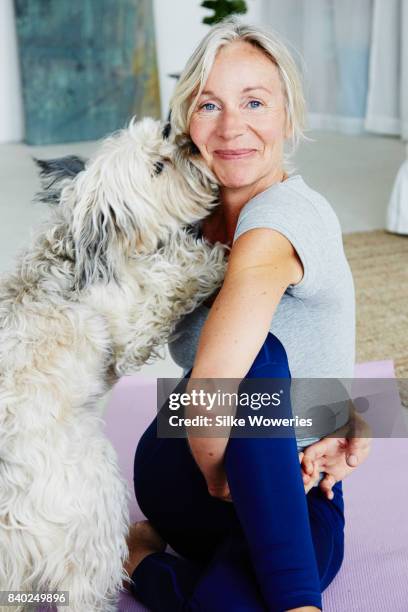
point(262, 264)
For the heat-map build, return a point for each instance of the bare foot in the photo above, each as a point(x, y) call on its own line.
point(142, 540)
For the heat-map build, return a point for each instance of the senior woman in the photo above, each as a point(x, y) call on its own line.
point(285, 309)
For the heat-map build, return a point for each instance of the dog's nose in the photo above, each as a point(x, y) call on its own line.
point(166, 130)
point(158, 167)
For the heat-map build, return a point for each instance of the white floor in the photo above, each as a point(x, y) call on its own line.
point(355, 173)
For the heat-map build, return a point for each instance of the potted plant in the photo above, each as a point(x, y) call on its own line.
point(223, 9)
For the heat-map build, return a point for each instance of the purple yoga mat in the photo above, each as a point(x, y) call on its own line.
point(373, 577)
point(374, 573)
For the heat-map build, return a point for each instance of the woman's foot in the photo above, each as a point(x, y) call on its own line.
point(142, 540)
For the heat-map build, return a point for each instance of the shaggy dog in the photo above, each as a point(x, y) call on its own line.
point(101, 288)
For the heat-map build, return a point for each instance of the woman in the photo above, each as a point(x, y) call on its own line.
point(286, 308)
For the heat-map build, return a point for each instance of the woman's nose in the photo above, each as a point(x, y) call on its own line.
point(230, 123)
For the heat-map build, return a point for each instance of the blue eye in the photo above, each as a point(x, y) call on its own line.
point(206, 106)
point(255, 103)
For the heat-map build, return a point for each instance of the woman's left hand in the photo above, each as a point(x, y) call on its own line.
point(339, 454)
point(311, 480)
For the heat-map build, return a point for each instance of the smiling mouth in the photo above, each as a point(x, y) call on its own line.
point(234, 153)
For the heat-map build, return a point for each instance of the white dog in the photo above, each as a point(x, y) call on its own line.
point(99, 291)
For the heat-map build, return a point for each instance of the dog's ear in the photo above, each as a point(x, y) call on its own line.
point(102, 236)
point(95, 257)
point(103, 226)
point(54, 173)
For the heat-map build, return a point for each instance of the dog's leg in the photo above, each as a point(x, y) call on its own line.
point(63, 504)
point(158, 292)
point(96, 545)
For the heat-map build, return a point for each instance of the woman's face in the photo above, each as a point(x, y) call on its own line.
point(238, 123)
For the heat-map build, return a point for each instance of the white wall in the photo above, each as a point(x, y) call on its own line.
point(11, 106)
point(178, 31)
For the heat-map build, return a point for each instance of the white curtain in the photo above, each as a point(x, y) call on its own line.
point(333, 38)
point(387, 104)
point(355, 56)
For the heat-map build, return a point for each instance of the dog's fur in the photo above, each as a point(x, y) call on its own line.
point(101, 288)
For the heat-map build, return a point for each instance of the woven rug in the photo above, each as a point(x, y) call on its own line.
point(379, 262)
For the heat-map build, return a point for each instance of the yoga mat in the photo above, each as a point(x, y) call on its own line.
point(131, 408)
point(373, 577)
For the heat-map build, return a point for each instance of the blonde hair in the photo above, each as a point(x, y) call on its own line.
point(198, 67)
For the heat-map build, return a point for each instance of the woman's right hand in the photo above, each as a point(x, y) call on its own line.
point(339, 454)
point(217, 483)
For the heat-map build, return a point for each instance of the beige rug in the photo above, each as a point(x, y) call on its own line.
point(379, 262)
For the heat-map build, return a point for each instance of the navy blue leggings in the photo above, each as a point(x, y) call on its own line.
point(273, 548)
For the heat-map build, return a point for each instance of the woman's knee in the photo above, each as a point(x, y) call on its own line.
point(271, 359)
point(254, 458)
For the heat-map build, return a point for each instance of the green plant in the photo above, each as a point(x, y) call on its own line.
point(222, 9)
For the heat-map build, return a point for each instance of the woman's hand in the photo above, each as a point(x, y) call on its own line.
point(217, 485)
point(339, 454)
point(309, 480)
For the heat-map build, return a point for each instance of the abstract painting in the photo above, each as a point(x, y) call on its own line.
point(87, 66)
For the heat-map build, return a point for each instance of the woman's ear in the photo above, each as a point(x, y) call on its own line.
point(288, 129)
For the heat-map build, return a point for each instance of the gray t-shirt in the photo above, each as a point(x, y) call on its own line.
point(315, 319)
